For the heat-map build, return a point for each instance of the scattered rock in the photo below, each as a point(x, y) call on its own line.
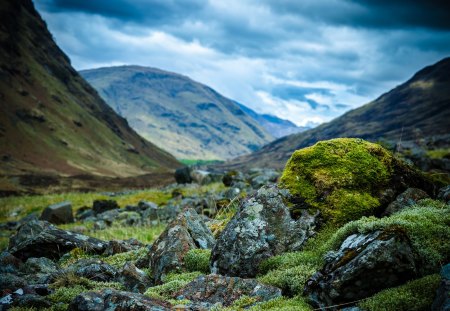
point(101, 206)
point(260, 229)
point(109, 216)
point(363, 265)
point(233, 177)
point(186, 232)
point(57, 214)
point(183, 175)
point(201, 177)
point(442, 300)
point(93, 269)
point(410, 197)
point(113, 300)
point(122, 246)
point(444, 194)
point(128, 218)
point(42, 239)
point(31, 301)
point(9, 263)
point(11, 282)
point(134, 279)
point(262, 177)
point(213, 289)
point(39, 265)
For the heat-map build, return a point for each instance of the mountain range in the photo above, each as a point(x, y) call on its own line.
point(51, 120)
point(415, 110)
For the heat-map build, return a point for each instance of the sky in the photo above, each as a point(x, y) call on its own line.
point(307, 61)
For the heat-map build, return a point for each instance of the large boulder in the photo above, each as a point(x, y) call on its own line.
point(363, 265)
point(183, 175)
point(114, 300)
point(57, 214)
point(42, 239)
point(410, 197)
point(217, 289)
point(263, 227)
point(187, 231)
point(347, 178)
point(442, 300)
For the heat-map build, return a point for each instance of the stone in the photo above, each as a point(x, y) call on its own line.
point(217, 289)
point(108, 216)
point(57, 214)
point(408, 198)
point(188, 231)
point(9, 263)
point(364, 265)
point(101, 206)
point(93, 269)
point(42, 239)
point(114, 300)
point(31, 301)
point(183, 175)
point(11, 282)
point(233, 177)
point(39, 265)
point(263, 177)
point(262, 227)
point(122, 246)
point(442, 300)
point(444, 194)
point(128, 218)
point(134, 279)
point(201, 177)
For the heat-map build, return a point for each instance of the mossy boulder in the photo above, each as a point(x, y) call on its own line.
point(347, 178)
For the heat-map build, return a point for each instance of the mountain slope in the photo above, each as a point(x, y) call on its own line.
point(274, 125)
point(51, 120)
point(189, 119)
point(416, 109)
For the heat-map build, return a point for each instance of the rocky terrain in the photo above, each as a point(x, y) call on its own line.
point(51, 121)
point(186, 118)
point(345, 226)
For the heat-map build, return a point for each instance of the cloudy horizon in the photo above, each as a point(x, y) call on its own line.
point(305, 61)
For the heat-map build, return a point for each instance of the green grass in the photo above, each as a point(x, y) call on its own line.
point(439, 153)
point(193, 162)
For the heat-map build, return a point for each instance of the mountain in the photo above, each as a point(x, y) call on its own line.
point(51, 120)
point(274, 125)
point(186, 118)
point(414, 110)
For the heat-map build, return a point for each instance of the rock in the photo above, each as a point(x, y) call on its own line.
point(410, 197)
point(84, 213)
point(100, 225)
point(260, 229)
point(128, 218)
point(186, 232)
point(158, 215)
point(134, 279)
point(348, 178)
point(11, 282)
point(212, 289)
point(109, 216)
point(444, 194)
point(233, 177)
point(143, 205)
point(93, 269)
point(113, 300)
point(57, 214)
point(9, 263)
point(262, 177)
point(201, 177)
point(39, 265)
point(442, 300)
point(42, 239)
point(122, 246)
point(363, 265)
point(31, 301)
point(101, 206)
point(183, 175)
point(232, 193)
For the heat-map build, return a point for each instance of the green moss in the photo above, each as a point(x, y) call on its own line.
point(416, 295)
point(118, 260)
point(439, 153)
point(426, 224)
point(340, 177)
point(197, 260)
point(286, 304)
point(172, 283)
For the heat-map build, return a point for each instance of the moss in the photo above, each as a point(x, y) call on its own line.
point(340, 177)
point(439, 153)
point(426, 224)
point(197, 260)
point(413, 296)
point(118, 260)
point(172, 283)
point(286, 304)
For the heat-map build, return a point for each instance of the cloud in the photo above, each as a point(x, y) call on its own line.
point(308, 60)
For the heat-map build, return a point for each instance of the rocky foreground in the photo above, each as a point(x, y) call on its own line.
point(346, 226)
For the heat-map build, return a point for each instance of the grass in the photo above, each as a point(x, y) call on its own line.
point(193, 162)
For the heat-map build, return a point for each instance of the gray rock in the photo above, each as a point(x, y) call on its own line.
point(129, 218)
point(57, 214)
point(444, 194)
point(217, 289)
point(233, 177)
point(42, 239)
point(201, 177)
point(408, 198)
point(263, 177)
point(39, 265)
point(93, 269)
point(108, 216)
point(31, 301)
point(260, 229)
point(442, 300)
point(134, 279)
point(10, 282)
point(186, 232)
point(122, 246)
point(183, 175)
point(363, 265)
point(101, 206)
point(113, 300)
point(9, 263)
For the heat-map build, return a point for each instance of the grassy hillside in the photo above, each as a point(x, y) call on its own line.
point(416, 109)
point(186, 118)
point(51, 120)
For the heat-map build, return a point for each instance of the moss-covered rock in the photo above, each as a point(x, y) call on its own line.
point(347, 178)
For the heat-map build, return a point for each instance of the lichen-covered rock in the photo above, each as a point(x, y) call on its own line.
point(363, 265)
point(444, 194)
point(122, 246)
point(187, 231)
point(42, 239)
point(262, 177)
point(113, 300)
point(263, 227)
point(217, 289)
point(60, 213)
point(10, 282)
point(442, 300)
point(39, 265)
point(347, 178)
point(233, 177)
point(93, 269)
point(9, 263)
point(134, 279)
point(101, 206)
point(410, 197)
